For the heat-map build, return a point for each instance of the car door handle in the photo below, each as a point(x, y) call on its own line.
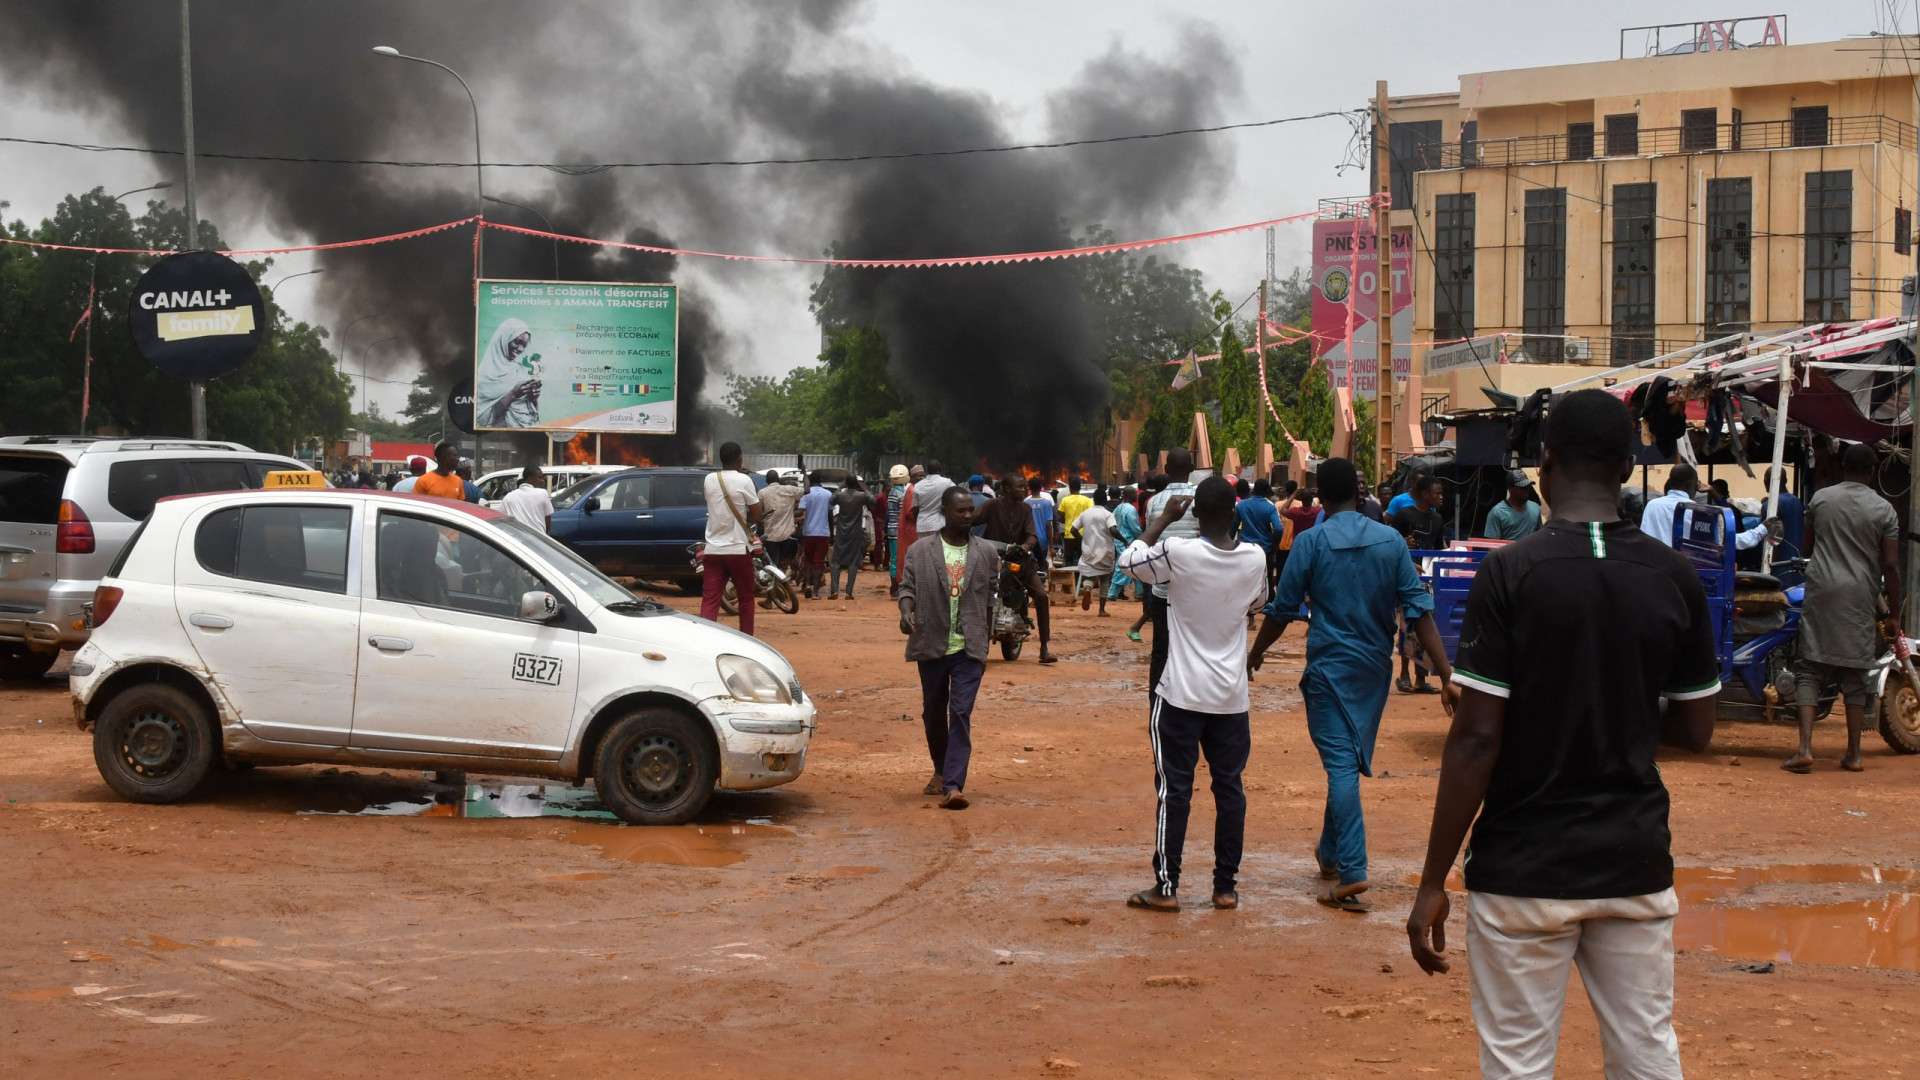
point(205, 621)
point(643, 517)
point(390, 644)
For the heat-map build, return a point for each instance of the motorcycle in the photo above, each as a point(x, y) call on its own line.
point(1766, 631)
point(1011, 626)
point(770, 584)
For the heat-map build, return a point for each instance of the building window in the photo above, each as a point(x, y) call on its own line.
point(1543, 309)
point(1699, 129)
point(1452, 267)
point(1902, 231)
point(1729, 286)
point(1810, 126)
point(1412, 147)
point(1828, 274)
point(1469, 138)
point(1623, 135)
point(1579, 142)
point(1633, 249)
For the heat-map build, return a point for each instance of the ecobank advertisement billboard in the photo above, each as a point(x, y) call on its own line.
point(576, 356)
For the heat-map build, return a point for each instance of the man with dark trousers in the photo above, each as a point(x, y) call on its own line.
point(1214, 581)
point(946, 611)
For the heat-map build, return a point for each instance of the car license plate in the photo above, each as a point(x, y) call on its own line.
point(536, 669)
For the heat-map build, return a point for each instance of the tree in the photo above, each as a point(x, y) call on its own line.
point(285, 395)
point(425, 408)
point(785, 413)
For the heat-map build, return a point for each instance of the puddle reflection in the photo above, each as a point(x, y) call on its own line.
point(1770, 913)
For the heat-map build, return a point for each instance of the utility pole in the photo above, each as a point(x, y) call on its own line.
point(1260, 352)
point(1911, 617)
point(1382, 287)
point(196, 390)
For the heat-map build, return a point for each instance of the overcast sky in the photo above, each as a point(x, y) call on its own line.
point(1295, 58)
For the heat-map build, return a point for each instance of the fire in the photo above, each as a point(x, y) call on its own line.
point(580, 450)
point(622, 450)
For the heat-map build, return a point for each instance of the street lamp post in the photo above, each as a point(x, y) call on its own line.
point(543, 221)
point(364, 350)
point(93, 279)
point(275, 287)
point(479, 178)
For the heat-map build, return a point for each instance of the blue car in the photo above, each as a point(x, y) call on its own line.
point(638, 523)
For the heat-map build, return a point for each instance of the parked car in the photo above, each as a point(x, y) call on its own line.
point(68, 506)
point(393, 631)
point(636, 522)
point(495, 485)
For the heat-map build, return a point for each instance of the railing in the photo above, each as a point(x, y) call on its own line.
point(1688, 139)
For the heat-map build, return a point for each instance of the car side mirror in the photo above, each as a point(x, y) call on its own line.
point(591, 504)
point(539, 606)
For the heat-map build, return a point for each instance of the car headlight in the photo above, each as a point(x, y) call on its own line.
point(748, 679)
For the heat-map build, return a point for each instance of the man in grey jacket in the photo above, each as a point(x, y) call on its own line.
point(946, 611)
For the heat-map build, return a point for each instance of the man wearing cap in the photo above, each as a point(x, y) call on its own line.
point(416, 468)
point(896, 491)
point(1517, 516)
point(977, 490)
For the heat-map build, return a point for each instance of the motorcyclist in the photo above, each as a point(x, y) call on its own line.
point(1010, 521)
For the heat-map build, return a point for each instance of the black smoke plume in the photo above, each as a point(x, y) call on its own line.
point(1012, 351)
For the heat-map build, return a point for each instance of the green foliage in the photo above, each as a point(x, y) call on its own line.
point(379, 425)
point(287, 395)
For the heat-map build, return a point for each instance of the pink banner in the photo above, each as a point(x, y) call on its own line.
point(1344, 256)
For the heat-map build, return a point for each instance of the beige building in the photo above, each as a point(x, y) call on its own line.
point(1611, 211)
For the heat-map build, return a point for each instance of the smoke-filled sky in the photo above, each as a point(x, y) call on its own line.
point(729, 78)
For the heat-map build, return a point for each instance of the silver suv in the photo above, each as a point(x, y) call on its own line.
point(67, 508)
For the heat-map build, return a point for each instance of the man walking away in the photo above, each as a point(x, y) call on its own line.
point(1046, 518)
point(927, 496)
point(1187, 527)
point(1574, 634)
point(977, 491)
point(1155, 484)
point(732, 509)
point(1518, 515)
point(816, 516)
point(1096, 553)
point(1260, 523)
point(1126, 529)
point(851, 505)
point(1200, 700)
point(778, 505)
point(1357, 575)
point(1008, 520)
point(946, 612)
point(1854, 535)
point(1072, 505)
point(528, 503)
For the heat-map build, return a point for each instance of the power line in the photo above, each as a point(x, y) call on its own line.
point(582, 169)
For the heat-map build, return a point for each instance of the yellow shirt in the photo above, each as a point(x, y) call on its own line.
point(449, 486)
point(1071, 507)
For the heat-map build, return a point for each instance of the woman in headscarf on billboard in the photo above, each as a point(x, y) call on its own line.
point(506, 391)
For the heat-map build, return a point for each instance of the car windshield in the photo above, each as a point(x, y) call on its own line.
point(572, 493)
point(603, 589)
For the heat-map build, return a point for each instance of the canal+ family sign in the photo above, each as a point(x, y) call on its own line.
point(197, 315)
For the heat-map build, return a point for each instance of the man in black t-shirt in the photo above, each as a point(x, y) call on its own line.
point(1422, 520)
point(1572, 639)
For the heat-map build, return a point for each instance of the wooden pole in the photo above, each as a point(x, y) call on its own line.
point(1383, 288)
point(1259, 366)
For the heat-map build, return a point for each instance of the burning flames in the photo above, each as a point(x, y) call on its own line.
point(614, 450)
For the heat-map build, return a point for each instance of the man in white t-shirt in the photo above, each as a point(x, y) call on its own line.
point(1214, 581)
point(529, 504)
point(416, 468)
point(733, 506)
point(927, 494)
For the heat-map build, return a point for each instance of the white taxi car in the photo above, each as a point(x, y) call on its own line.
point(364, 628)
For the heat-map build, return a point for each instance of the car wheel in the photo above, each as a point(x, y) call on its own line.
point(21, 663)
point(656, 767)
point(153, 743)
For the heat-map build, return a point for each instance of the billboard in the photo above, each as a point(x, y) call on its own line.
point(1335, 275)
point(576, 356)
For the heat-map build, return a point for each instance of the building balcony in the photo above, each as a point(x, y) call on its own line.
point(1650, 142)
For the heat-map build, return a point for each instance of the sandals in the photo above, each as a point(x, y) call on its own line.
point(1346, 897)
point(1403, 684)
point(1133, 635)
point(1151, 900)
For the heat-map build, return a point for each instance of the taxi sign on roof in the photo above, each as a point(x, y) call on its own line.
point(294, 478)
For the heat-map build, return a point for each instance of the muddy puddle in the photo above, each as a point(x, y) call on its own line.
point(1852, 915)
point(706, 845)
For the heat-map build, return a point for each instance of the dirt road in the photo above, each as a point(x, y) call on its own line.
point(845, 927)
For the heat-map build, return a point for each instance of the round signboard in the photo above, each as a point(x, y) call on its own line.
point(197, 315)
point(460, 405)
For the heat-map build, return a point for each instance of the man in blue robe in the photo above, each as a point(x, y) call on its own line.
point(1355, 575)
